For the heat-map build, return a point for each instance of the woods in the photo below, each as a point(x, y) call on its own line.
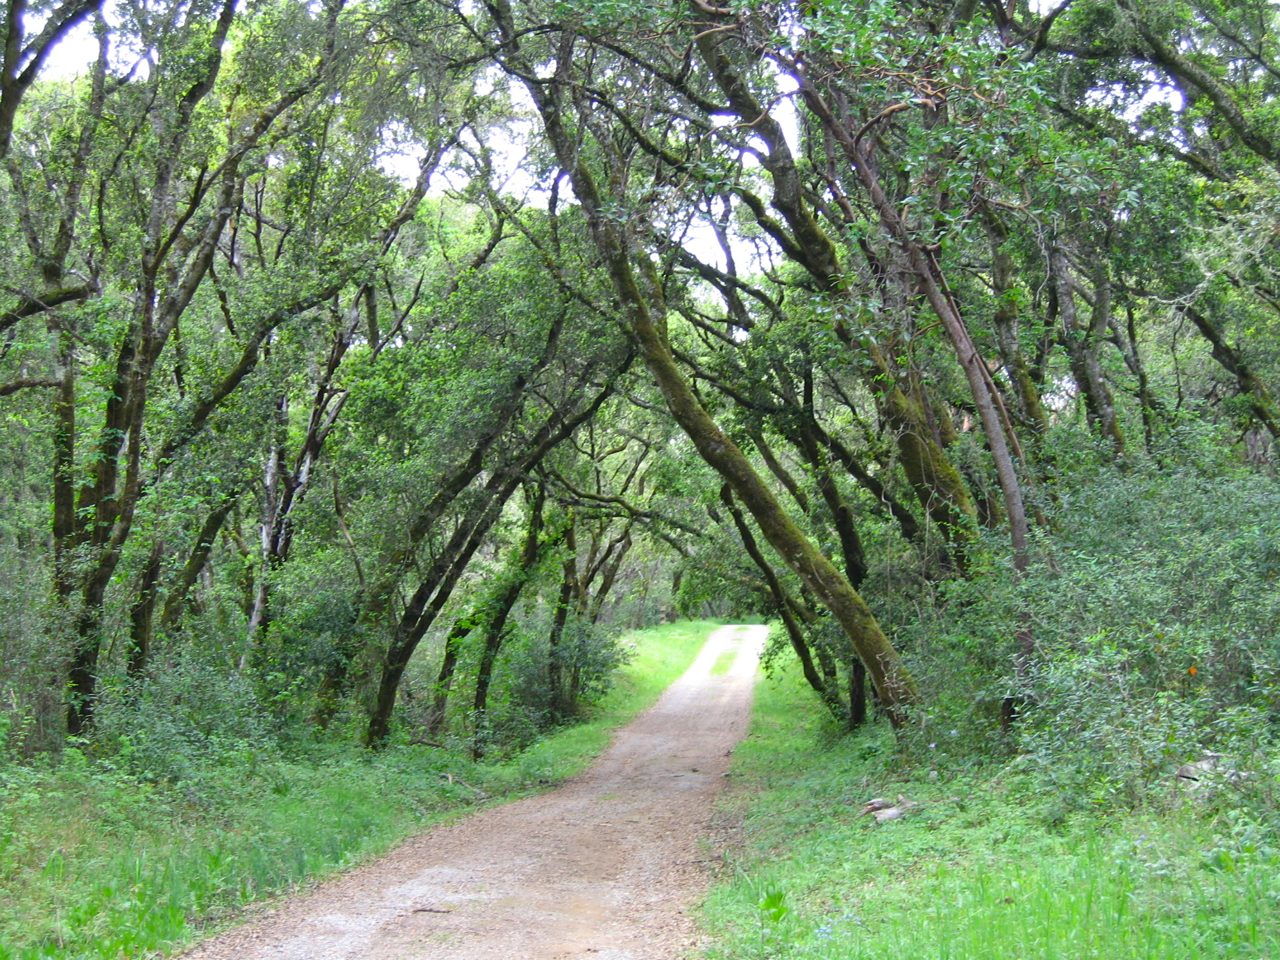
point(379, 365)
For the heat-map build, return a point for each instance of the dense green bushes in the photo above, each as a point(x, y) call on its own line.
point(1063, 831)
point(1153, 608)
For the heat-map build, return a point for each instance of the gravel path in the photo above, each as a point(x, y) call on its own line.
point(603, 866)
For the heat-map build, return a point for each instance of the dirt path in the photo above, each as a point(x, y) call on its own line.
point(604, 866)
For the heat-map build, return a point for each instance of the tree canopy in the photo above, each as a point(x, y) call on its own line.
point(391, 359)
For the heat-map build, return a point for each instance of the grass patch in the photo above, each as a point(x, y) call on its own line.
point(724, 662)
point(95, 863)
point(989, 867)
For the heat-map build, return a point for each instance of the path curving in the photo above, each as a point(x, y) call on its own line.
point(604, 866)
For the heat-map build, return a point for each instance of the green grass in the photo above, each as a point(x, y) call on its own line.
point(97, 864)
point(725, 661)
point(989, 868)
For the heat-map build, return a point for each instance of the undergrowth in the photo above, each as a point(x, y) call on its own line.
point(990, 866)
point(98, 861)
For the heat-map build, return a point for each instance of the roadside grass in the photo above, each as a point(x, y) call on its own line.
point(95, 863)
point(989, 867)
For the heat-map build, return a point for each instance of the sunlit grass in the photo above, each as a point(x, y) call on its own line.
point(725, 661)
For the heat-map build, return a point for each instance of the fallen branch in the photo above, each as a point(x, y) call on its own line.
point(458, 780)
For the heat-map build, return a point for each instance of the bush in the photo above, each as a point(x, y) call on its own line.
point(1154, 611)
point(188, 719)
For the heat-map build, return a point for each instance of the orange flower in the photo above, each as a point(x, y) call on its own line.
point(1192, 671)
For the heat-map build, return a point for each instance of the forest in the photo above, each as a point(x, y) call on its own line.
point(369, 369)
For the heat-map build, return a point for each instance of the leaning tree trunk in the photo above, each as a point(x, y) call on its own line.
point(496, 629)
point(437, 586)
point(1233, 361)
point(828, 693)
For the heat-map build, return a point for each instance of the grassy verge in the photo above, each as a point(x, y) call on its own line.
point(987, 868)
point(97, 864)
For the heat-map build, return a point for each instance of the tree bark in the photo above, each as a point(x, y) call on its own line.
point(1233, 361)
point(462, 628)
point(995, 422)
point(496, 627)
point(437, 586)
point(1005, 322)
point(142, 612)
point(560, 706)
point(1082, 348)
point(827, 693)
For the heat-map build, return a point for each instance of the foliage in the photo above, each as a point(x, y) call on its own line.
point(366, 371)
point(990, 865)
point(1154, 634)
point(190, 722)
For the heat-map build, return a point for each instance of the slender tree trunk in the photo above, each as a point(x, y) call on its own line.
point(141, 613)
point(779, 471)
point(907, 522)
point(826, 692)
point(1082, 347)
point(496, 629)
point(1233, 361)
point(1005, 322)
point(560, 706)
point(269, 531)
point(1133, 358)
point(437, 586)
point(64, 495)
point(608, 576)
point(426, 604)
point(850, 545)
point(462, 628)
point(196, 561)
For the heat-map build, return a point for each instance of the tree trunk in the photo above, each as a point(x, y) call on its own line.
point(462, 628)
point(609, 575)
point(1005, 322)
point(827, 693)
point(428, 601)
point(196, 560)
point(1233, 361)
point(855, 560)
point(142, 612)
point(496, 628)
point(438, 584)
point(560, 707)
point(1082, 347)
point(995, 423)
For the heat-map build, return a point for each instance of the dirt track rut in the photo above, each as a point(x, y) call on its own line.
point(604, 866)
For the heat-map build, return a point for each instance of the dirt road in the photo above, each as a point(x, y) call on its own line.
point(604, 866)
